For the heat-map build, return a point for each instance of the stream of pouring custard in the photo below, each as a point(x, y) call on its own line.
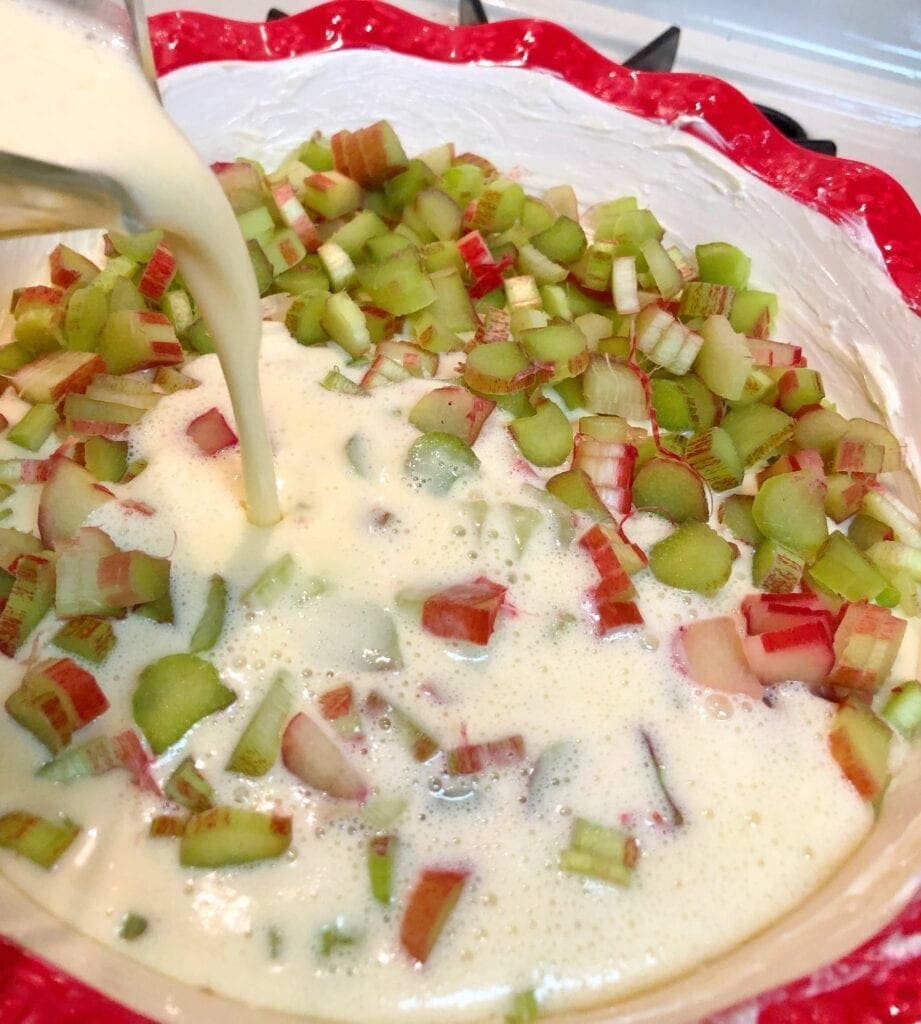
point(72, 96)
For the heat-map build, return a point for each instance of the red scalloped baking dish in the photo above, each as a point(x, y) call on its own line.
point(879, 982)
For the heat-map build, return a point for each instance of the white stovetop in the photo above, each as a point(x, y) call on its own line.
point(872, 111)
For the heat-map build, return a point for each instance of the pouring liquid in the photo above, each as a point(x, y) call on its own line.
point(95, 112)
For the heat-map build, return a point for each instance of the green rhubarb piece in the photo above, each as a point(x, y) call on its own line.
point(790, 509)
point(14, 355)
point(268, 587)
point(85, 317)
point(211, 624)
point(498, 368)
point(463, 182)
point(601, 852)
point(724, 361)
point(436, 461)
point(262, 268)
point(257, 749)
point(666, 275)
point(225, 836)
point(722, 263)
point(845, 570)
point(753, 313)
point(188, 787)
point(355, 234)
point(561, 346)
point(759, 386)
point(87, 637)
point(864, 531)
point(545, 439)
point(344, 322)
point(94, 757)
point(331, 194)
point(31, 596)
point(305, 277)
point(138, 247)
point(570, 391)
point(403, 188)
point(37, 839)
point(672, 404)
point(524, 1008)
point(672, 489)
point(776, 569)
point(714, 455)
point(631, 226)
point(902, 709)
point(125, 295)
point(159, 610)
point(34, 429)
point(843, 496)
point(398, 283)
point(304, 317)
point(525, 520)
point(574, 487)
point(706, 407)
point(132, 926)
point(500, 204)
point(757, 431)
point(613, 388)
point(381, 850)
point(450, 410)
point(799, 386)
point(336, 381)
point(358, 452)
point(106, 459)
point(173, 694)
point(593, 268)
point(694, 557)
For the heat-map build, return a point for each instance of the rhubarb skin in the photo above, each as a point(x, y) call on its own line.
point(430, 904)
point(466, 611)
point(308, 753)
point(712, 654)
point(803, 653)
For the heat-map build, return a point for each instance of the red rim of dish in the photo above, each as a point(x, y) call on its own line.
point(882, 979)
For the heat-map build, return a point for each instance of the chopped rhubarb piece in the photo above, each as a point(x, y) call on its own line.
point(790, 509)
point(545, 436)
point(14, 543)
point(30, 597)
point(56, 698)
point(211, 432)
point(270, 584)
point(606, 550)
point(712, 653)
point(158, 274)
point(257, 749)
point(78, 591)
point(380, 867)
point(222, 836)
point(470, 758)
point(53, 375)
point(68, 496)
point(465, 611)
point(189, 788)
point(859, 742)
point(610, 607)
point(671, 488)
point(173, 694)
point(87, 637)
point(609, 465)
point(452, 410)
point(802, 653)
point(601, 852)
point(130, 578)
point(694, 557)
point(315, 759)
point(211, 624)
point(902, 710)
point(524, 1010)
point(767, 612)
point(136, 339)
point(866, 643)
point(167, 826)
point(100, 755)
point(430, 904)
point(38, 839)
point(69, 267)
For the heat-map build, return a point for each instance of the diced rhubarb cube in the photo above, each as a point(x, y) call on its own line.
point(434, 896)
point(69, 495)
point(465, 611)
point(866, 643)
point(601, 548)
point(69, 267)
point(53, 375)
point(859, 742)
point(711, 652)
point(211, 432)
point(802, 653)
point(30, 597)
